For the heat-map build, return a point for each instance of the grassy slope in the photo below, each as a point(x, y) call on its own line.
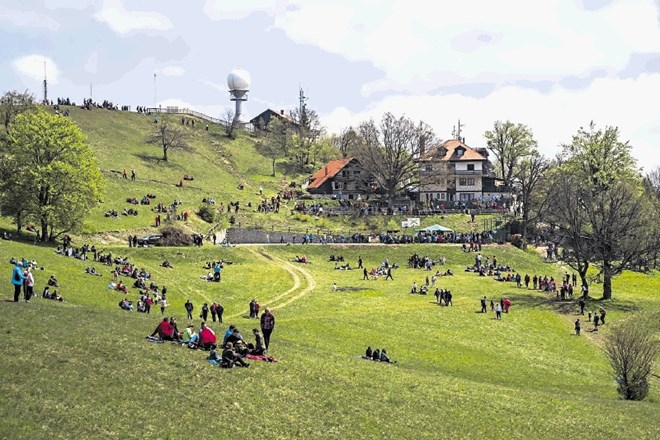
point(460, 374)
point(218, 166)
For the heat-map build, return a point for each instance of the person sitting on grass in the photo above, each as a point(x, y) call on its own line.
point(164, 330)
point(207, 339)
point(56, 296)
point(375, 355)
point(190, 337)
point(52, 281)
point(235, 336)
point(385, 358)
point(230, 358)
point(259, 344)
point(167, 264)
point(369, 353)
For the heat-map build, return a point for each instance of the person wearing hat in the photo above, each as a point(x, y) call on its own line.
point(17, 279)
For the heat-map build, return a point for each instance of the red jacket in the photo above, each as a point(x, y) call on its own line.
point(165, 329)
point(206, 336)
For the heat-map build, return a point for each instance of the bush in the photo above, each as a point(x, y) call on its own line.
point(516, 240)
point(206, 213)
point(173, 236)
point(632, 349)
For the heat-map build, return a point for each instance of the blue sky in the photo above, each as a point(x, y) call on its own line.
point(553, 65)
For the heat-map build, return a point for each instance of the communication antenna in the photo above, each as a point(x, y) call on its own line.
point(45, 84)
point(301, 99)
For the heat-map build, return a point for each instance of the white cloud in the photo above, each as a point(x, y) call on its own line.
point(123, 21)
point(92, 64)
point(227, 10)
point(172, 71)
point(471, 38)
point(216, 86)
point(27, 19)
point(32, 67)
point(553, 117)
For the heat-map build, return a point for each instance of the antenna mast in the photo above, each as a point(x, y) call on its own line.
point(45, 85)
point(301, 99)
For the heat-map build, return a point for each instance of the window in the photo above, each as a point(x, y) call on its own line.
point(470, 181)
point(443, 196)
point(470, 167)
point(466, 197)
point(462, 181)
point(428, 167)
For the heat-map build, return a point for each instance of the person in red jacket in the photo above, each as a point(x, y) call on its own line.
point(165, 330)
point(207, 339)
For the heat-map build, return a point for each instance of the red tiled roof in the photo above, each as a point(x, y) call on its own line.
point(451, 146)
point(328, 171)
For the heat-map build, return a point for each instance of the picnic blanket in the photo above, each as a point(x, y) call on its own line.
point(261, 358)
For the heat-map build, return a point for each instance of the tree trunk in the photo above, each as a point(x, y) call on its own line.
point(607, 279)
point(165, 154)
point(44, 230)
point(583, 276)
point(273, 168)
point(524, 228)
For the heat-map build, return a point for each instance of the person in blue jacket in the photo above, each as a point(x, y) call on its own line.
point(17, 278)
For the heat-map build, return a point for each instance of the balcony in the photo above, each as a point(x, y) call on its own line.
point(469, 172)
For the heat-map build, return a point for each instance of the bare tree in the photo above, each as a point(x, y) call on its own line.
point(168, 136)
point(229, 122)
point(13, 103)
point(531, 173)
point(653, 179)
point(510, 143)
point(390, 151)
point(632, 349)
point(346, 141)
point(273, 140)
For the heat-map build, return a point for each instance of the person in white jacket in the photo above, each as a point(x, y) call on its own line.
point(29, 284)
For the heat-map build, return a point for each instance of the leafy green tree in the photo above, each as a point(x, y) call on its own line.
point(167, 135)
point(600, 205)
point(510, 143)
point(54, 179)
point(307, 131)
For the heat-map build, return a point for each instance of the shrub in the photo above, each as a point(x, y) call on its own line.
point(632, 349)
point(173, 236)
point(206, 213)
point(516, 240)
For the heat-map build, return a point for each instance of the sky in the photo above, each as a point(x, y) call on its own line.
point(554, 65)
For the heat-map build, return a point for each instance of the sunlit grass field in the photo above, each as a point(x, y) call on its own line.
point(82, 369)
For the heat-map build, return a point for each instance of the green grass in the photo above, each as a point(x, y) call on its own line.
point(82, 369)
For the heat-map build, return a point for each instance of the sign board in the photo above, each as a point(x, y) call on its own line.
point(414, 222)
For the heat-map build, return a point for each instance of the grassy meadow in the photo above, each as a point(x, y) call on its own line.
point(82, 369)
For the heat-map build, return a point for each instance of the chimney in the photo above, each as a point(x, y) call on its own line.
point(326, 170)
point(282, 112)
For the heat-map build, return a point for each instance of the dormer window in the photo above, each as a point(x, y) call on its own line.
point(441, 152)
point(460, 151)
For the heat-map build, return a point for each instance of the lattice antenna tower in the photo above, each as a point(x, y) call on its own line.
point(45, 84)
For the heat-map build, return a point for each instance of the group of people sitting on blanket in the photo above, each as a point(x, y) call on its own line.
point(346, 266)
point(301, 259)
point(417, 262)
point(377, 355)
point(234, 347)
point(338, 258)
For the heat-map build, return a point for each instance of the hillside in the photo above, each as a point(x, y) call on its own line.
point(218, 166)
point(82, 369)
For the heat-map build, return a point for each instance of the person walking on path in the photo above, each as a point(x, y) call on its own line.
point(267, 325)
point(17, 279)
point(189, 309)
point(578, 326)
point(389, 274)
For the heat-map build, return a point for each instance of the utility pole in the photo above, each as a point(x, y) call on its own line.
point(155, 100)
point(90, 91)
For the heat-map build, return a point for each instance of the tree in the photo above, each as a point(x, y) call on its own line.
point(390, 151)
point(606, 200)
point(530, 175)
point(168, 136)
point(653, 180)
point(273, 140)
point(510, 143)
point(307, 131)
point(54, 179)
point(12, 104)
point(229, 122)
point(346, 142)
point(632, 349)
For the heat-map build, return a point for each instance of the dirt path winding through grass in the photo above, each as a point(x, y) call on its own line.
point(286, 296)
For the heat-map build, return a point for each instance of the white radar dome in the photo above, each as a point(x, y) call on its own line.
point(238, 79)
